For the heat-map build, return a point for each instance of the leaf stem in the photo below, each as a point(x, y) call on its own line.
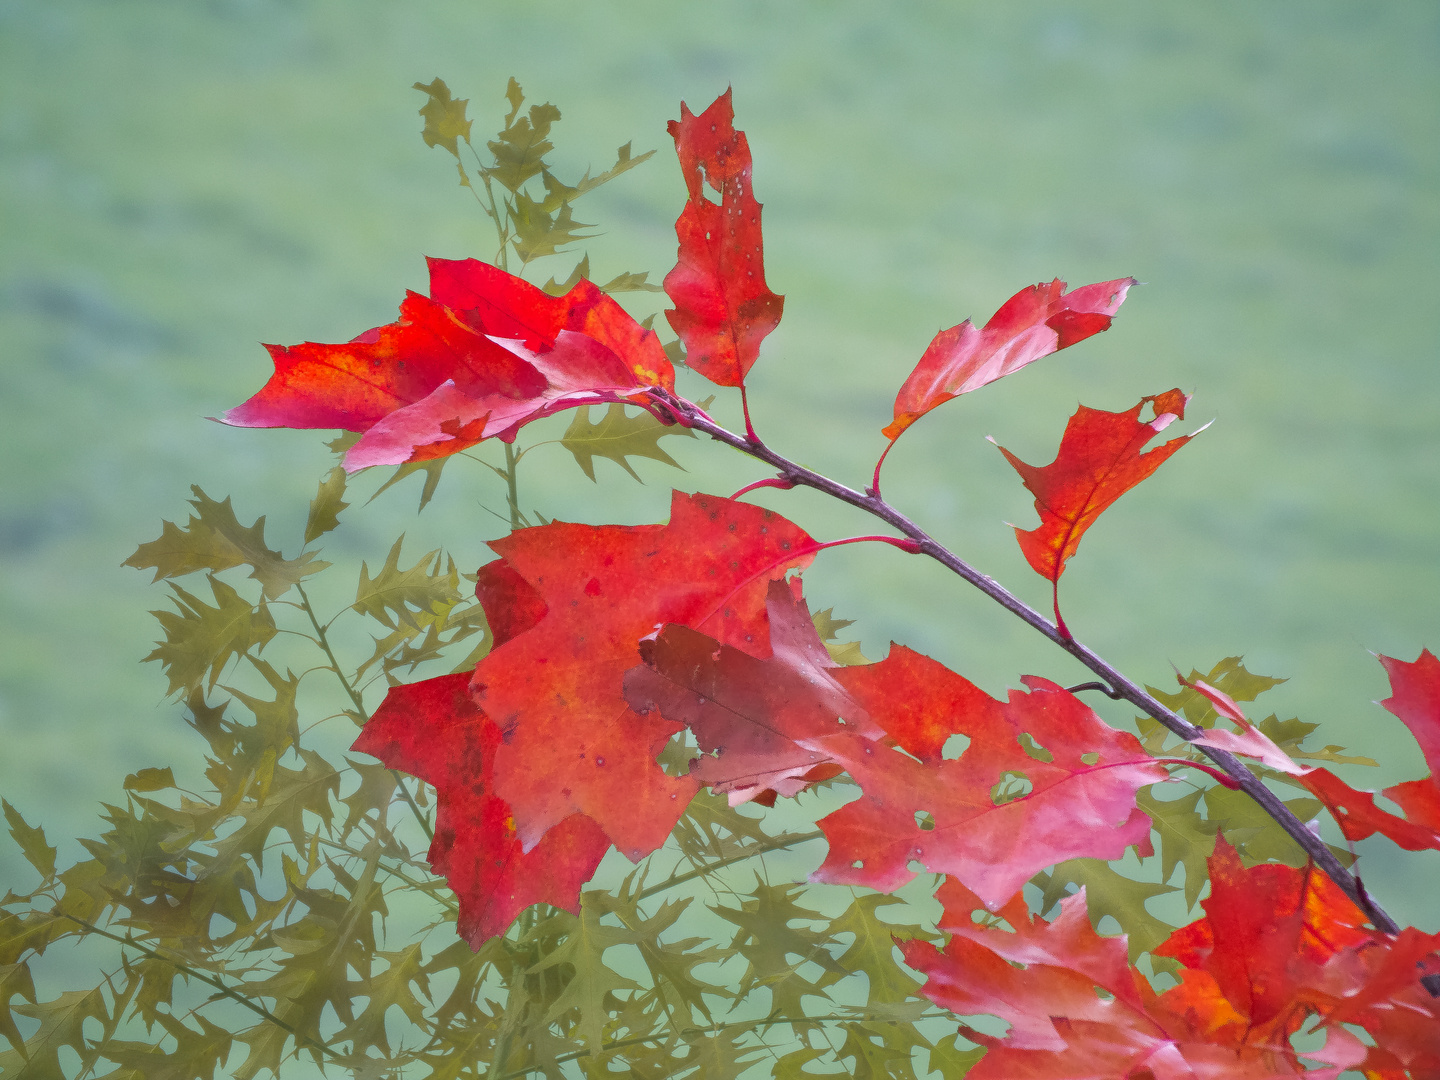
point(511, 490)
point(1122, 688)
point(777, 844)
point(324, 642)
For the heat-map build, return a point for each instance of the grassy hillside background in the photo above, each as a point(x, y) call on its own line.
point(182, 180)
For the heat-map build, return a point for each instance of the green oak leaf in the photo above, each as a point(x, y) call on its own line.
point(872, 951)
point(583, 951)
point(214, 540)
point(31, 840)
point(326, 506)
point(1109, 892)
point(399, 594)
point(1186, 839)
point(201, 639)
point(445, 121)
point(618, 437)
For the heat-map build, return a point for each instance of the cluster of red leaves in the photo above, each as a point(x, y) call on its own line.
point(1280, 952)
point(609, 641)
point(484, 354)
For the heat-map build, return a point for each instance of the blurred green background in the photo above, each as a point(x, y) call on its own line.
point(182, 179)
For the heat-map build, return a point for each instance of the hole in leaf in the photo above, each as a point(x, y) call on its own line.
point(1090, 758)
point(1011, 786)
point(924, 820)
point(954, 746)
point(858, 864)
point(1034, 749)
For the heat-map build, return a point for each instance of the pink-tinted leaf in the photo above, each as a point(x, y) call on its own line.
point(765, 722)
point(1035, 322)
point(486, 353)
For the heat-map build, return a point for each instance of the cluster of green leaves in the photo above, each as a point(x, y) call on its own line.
point(285, 911)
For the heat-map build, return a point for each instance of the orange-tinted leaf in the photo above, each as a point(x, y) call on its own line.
point(1035, 322)
point(765, 723)
point(485, 353)
point(1278, 949)
point(434, 730)
point(723, 308)
point(571, 744)
point(1102, 455)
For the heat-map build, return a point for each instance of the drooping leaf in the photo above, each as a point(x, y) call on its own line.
point(618, 437)
point(483, 355)
point(38, 852)
point(326, 506)
point(767, 724)
point(1033, 323)
point(1102, 455)
point(723, 308)
point(214, 540)
point(434, 730)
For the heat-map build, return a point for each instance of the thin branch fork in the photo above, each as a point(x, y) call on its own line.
point(1115, 684)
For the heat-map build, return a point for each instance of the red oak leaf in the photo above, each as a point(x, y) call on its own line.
point(433, 730)
point(486, 353)
point(765, 722)
point(1100, 458)
point(723, 308)
point(1415, 699)
point(1277, 948)
point(570, 742)
point(1035, 322)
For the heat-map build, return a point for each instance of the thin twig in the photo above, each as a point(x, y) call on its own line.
point(224, 988)
point(1121, 688)
point(324, 642)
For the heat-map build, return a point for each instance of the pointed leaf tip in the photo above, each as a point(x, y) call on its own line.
point(1033, 323)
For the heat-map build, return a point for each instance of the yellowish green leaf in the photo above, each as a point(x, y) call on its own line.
point(445, 121)
point(617, 437)
point(326, 506)
point(31, 839)
point(201, 639)
point(214, 540)
point(1109, 892)
point(1186, 838)
point(397, 594)
point(431, 469)
point(150, 780)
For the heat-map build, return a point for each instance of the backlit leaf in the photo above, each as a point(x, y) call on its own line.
point(1035, 322)
point(1101, 457)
